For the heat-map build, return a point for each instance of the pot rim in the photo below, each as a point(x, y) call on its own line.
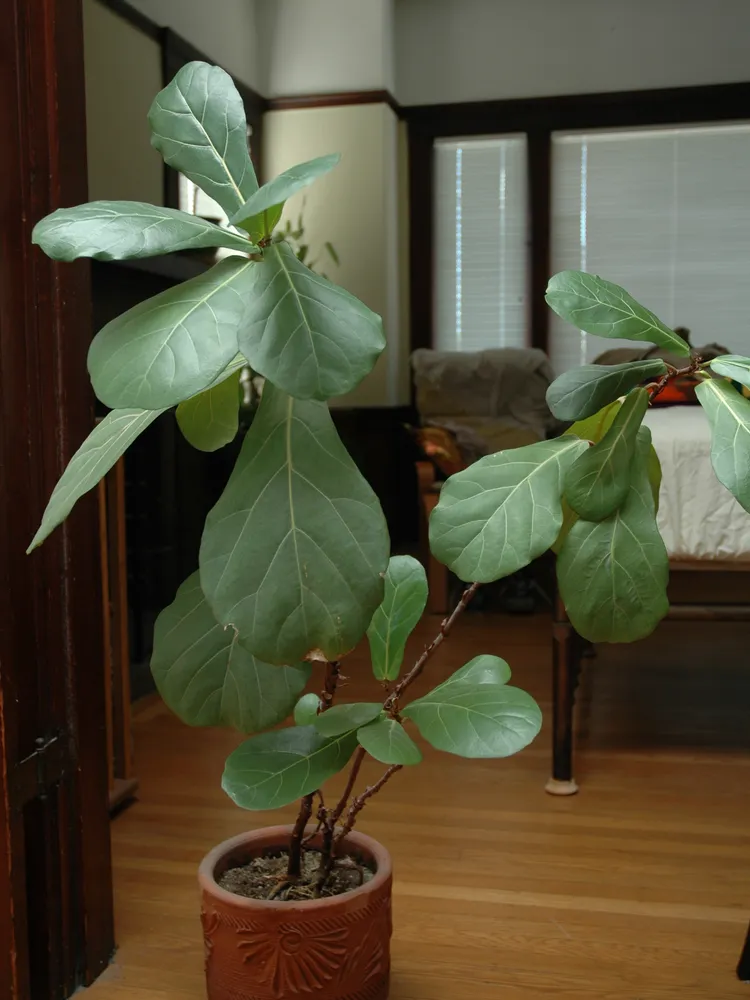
point(354, 840)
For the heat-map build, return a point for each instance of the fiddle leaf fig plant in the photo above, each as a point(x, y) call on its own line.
point(294, 567)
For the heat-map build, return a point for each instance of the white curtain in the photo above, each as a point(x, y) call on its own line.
point(666, 214)
point(480, 239)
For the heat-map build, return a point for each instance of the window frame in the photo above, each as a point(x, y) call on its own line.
point(538, 118)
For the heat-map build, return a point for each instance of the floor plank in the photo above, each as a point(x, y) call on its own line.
point(636, 889)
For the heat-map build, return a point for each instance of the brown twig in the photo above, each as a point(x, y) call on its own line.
point(390, 705)
point(654, 388)
point(359, 756)
point(359, 803)
point(327, 695)
point(329, 685)
point(294, 868)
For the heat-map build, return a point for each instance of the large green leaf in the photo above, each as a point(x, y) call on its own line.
point(174, 345)
point(503, 511)
point(105, 444)
point(582, 392)
point(387, 741)
point(598, 481)
point(262, 210)
point(403, 603)
point(211, 419)
point(294, 551)
point(613, 574)
point(198, 125)
point(275, 768)
point(733, 366)
point(119, 230)
point(345, 718)
point(208, 679)
point(482, 669)
point(308, 336)
point(600, 307)
point(729, 415)
point(477, 720)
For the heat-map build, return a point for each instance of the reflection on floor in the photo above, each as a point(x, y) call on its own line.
point(636, 889)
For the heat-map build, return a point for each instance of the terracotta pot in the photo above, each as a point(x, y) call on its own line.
point(337, 948)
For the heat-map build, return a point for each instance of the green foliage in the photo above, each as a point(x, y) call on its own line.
point(483, 669)
point(345, 718)
point(582, 392)
point(108, 441)
point(309, 337)
point(501, 513)
point(293, 552)
point(600, 307)
point(387, 741)
point(294, 558)
point(274, 769)
point(306, 709)
point(403, 603)
point(729, 415)
point(198, 125)
point(122, 230)
point(172, 346)
point(211, 419)
point(476, 720)
point(613, 573)
point(598, 481)
point(261, 212)
point(207, 678)
point(733, 366)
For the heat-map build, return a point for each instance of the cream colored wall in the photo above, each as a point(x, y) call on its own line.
point(123, 73)
point(224, 30)
point(355, 207)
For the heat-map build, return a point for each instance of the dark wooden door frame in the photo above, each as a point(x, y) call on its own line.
point(538, 118)
point(56, 923)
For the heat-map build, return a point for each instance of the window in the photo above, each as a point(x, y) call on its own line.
point(665, 212)
point(481, 267)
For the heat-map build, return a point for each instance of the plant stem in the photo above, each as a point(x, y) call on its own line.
point(390, 705)
point(360, 801)
point(329, 685)
point(359, 756)
point(294, 868)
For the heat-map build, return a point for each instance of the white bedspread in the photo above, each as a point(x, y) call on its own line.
point(698, 518)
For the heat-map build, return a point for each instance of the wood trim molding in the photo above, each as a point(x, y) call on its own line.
point(676, 105)
point(56, 917)
point(334, 100)
point(134, 17)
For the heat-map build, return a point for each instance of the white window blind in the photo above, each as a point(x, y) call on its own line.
point(480, 243)
point(666, 214)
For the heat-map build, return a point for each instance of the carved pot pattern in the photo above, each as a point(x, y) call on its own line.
point(337, 948)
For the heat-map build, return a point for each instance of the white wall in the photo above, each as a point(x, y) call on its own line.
point(355, 207)
point(224, 29)
point(326, 46)
point(469, 50)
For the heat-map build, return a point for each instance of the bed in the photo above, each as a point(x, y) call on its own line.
point(703, 527)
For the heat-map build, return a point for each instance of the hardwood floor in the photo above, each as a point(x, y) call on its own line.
point(636, 889)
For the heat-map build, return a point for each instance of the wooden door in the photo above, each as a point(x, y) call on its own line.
point(56, 929)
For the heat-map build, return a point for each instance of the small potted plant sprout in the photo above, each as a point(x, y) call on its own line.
point(294, 562)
